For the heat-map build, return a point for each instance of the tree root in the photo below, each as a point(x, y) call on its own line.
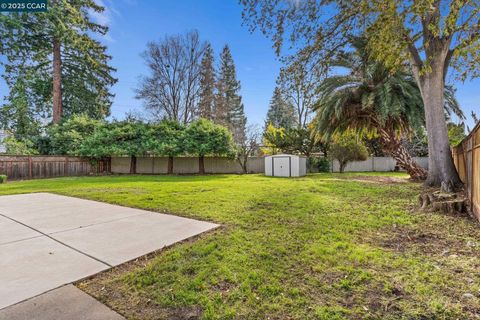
point(444, 202)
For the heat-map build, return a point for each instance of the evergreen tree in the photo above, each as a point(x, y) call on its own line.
point(229, 107)
point(281, 114)
point(207, 85)
point(17, 115)
point(57, 49)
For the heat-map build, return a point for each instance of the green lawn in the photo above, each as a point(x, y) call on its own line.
point(326, 246)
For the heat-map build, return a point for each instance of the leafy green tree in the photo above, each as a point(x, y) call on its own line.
point(67, 137)
point(123, 138)
point(293, 141)
point(23, 147)
point(434, 37)
point(69, 68)
point(281, 113)
point(19, 114)
point(273, 140)
point(203, 138)
point(456, 133)
point(167, 140)
point(347, 148)
point(303, 141)
point(229, 107)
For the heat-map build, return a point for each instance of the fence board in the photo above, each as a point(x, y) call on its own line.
point(467, 161)
point(36, 167)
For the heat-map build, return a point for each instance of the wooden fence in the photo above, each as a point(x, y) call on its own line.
point(36, 167)
point(186, 165)
point(467, 160)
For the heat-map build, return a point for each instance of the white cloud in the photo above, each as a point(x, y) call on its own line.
point(105, 18)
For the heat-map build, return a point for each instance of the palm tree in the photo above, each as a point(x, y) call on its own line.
point(371, 99)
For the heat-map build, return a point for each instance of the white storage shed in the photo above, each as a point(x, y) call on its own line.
point(285, 165)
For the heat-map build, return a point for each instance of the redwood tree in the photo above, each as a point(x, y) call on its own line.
point(57, 48)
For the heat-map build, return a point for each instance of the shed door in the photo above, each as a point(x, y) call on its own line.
point(281, 166)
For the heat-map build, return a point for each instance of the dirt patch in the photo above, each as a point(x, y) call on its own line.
point(429, 242)
point(380, 179)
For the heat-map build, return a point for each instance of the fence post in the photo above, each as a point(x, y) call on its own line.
point(474, 177)
point(30, 168)
point(66, 167)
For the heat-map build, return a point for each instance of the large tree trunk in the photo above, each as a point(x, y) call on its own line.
point(244, 165)
point(441, 169)
point(201, 164)
point(393, 146)
point(133, 165)
point(57, 82)
point(170, 165)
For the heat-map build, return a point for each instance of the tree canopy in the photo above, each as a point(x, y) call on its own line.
point(345, 148)
point(122, 138)
point(166, 138)
point(292, 140)
point(204, 138)
point(67, 137)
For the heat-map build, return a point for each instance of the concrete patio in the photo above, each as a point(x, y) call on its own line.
point(48, 240)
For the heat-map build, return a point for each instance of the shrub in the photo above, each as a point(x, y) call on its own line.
point(323, 165)
point(3, 178)
point(318, 164)
point(347, 148)
point(66, 138)
point(19, 147)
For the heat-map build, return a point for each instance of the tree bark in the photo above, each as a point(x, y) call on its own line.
point(133, 165)
point(57, 82)
point(244, 165)
point(441, 168)
point(394, 147)
point(170, 165)
point(201, 164)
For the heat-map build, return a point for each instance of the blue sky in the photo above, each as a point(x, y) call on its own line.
point(135, 22)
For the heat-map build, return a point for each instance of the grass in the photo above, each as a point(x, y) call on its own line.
point(326, 246)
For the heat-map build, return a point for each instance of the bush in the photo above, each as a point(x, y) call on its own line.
point(323, 165)
point(318, 165)
point(3, 178)
point(347, 148)
point(67, 137)
point(19, 147)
